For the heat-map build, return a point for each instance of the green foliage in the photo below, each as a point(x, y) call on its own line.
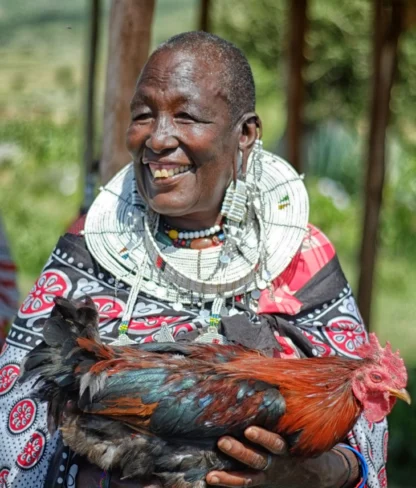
point(402, 455)
point(338, 52)
point(37, 206)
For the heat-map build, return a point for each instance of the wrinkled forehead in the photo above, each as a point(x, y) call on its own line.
point(184, 74)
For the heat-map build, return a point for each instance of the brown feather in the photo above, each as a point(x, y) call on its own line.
point(320, 405)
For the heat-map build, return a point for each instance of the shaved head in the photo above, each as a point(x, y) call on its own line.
point(234, 72)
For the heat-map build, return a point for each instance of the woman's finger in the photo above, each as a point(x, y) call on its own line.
point(269, 440)
point(244, 454)
point(235, 478)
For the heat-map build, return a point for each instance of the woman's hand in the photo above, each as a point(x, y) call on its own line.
point(277, 468)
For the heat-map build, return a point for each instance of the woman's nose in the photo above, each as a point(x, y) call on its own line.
point(162, 136)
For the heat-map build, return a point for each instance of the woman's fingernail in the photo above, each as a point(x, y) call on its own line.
point(252, 434)
point(226, 445)
point(214, 480)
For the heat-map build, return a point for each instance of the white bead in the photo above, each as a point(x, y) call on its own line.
point(212, 230)
point(217, 228)
point(186, 235)
point(207, 233)
point(198, 234)
point(191, 235)
point(181, 235)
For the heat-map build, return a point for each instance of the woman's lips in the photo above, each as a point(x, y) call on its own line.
point(166, 170)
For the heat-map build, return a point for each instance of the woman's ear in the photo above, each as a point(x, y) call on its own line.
point(251, 129)
point(250, 125)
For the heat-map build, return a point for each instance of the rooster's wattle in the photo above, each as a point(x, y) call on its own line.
point(158, 409)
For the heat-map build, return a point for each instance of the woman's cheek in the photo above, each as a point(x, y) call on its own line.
point(135, 137)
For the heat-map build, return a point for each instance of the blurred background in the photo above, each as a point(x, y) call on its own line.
point(44, 52)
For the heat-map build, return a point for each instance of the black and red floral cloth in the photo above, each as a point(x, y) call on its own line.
point(311, 298)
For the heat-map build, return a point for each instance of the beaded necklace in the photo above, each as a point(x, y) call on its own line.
point(264, 221)
point(200, 239)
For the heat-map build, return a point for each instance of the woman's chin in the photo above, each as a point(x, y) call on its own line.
point(165, 204)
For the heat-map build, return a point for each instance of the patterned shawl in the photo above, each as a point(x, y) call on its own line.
point(312, 312)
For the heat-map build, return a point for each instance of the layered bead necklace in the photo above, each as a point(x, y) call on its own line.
point(200, 239)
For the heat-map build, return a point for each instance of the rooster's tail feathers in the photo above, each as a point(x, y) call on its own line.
point(58, 362)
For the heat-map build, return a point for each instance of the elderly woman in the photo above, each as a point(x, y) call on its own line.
point(204, 237)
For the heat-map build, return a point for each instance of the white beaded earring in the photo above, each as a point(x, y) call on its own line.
point(234, 206)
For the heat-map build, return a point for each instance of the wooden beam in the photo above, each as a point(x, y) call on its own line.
point(129, 41)
point(388, 24)
point(204, 15)
point(296, 88)
point(89, 128)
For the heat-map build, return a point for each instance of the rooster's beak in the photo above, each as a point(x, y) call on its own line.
point(402, 394)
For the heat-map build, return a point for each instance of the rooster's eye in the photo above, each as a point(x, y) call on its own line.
point(376, 377)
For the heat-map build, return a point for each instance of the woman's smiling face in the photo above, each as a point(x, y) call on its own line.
point(181, 136)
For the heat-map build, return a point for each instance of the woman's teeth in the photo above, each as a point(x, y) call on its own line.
point(166, 173)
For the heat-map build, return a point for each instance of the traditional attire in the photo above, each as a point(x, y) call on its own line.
point(8, 286)
point(308, 309)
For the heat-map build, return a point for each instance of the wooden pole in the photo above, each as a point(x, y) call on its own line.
point(129, 41)
point(89, 128)
point(387, 28)
point(297, 26)
point(204, 17)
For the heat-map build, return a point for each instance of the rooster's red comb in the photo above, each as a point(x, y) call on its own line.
point(383, 355)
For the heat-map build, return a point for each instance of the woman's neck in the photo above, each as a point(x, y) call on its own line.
point(193, 222)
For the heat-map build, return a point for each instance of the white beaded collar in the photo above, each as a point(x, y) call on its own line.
point(118, 232)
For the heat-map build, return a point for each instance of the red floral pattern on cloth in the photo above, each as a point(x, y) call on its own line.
point(345, 335)
point(382, 477)
point(22, 416)
point(4, 474)
point(8, 377)
point(52, 283)
point(149, 323)
point(32, 452)
point(109, 308)
point(385, 445)
point(322, 349)
point(316, 251)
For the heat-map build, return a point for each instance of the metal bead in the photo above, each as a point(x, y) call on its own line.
point(255, 294)
point(261, 284)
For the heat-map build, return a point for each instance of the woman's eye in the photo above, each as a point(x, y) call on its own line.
point(143, 116)
point(185, 116)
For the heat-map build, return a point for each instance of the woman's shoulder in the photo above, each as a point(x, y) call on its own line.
point(316, 243)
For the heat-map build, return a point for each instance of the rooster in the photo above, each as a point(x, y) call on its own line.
point(158, 409)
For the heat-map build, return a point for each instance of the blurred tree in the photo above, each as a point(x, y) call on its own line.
point(338, 53)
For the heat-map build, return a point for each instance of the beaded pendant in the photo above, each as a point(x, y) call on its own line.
point(212, 336)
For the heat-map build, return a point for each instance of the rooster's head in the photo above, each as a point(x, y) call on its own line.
point(380, 379)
